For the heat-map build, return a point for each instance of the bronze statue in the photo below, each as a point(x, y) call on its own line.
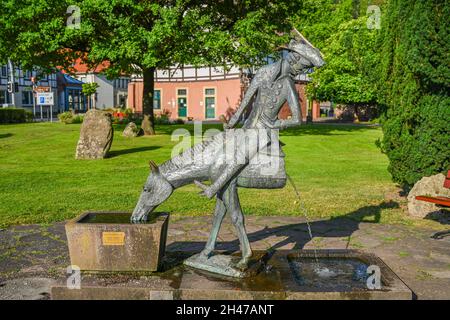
point(271, 87)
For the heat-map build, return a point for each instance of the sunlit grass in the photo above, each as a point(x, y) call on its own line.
point(338, 170)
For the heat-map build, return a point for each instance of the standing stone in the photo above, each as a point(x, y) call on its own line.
point(132, 130)
point(146, 127)
point(96, 135)
point(427, 186)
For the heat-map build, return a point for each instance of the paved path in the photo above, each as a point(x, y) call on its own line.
point(32, 256)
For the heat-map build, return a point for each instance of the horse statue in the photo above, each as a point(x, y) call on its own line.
point(260, 165)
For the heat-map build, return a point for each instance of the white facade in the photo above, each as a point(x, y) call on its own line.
point(24, 97)
point(110, 93)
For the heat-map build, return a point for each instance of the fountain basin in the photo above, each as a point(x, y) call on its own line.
point(279, 279)
point(342, 274)
point(107, 241)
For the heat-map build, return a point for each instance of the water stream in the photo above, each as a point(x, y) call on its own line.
point(322, 270)
point(305, 213)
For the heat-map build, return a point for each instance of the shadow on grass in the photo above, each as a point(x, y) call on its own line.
point(326, 129)
point(116, 153)
point(169, 129)
point(306, 129)
point(297, 234)
point(5, 135)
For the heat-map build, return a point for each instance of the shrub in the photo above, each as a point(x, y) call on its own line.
point(66, 117)
point(162, 119)
point(350, 113)
point(78, 119)
point(415, 86)
point(15, 115)
point(178, 121)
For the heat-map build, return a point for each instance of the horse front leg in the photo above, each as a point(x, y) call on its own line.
point(219, 214)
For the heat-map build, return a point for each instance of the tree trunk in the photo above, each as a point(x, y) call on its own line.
point(148, 123)
point(356, 109)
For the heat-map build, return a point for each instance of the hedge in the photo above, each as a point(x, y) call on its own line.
point(415, 78)
point(14, 115)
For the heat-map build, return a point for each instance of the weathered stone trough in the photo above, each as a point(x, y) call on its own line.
point(107, 241)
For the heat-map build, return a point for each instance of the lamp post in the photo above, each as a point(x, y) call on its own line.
point(13, 84)
point(33, 81)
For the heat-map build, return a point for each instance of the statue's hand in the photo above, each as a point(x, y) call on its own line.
point(226, 125)
point(206, 190)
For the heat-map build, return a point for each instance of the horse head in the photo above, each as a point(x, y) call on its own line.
point(155, 191)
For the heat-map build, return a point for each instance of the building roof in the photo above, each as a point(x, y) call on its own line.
point(69, 80)
point(81, 67)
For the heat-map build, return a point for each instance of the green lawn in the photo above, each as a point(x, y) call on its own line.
point(338, 170)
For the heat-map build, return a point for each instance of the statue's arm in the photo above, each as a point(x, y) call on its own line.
point(294, 105)
point(251, 91)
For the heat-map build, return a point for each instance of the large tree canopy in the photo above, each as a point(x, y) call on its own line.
point(339, 29)
point(138, 36)
point(350, 56)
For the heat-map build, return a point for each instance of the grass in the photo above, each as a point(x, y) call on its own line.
point(338, 170)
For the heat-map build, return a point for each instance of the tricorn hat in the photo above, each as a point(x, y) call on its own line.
point(303, 47)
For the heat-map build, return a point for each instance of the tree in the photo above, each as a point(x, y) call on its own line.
point(414, 87)
point(350, 56)
point(137, 36)
point(339, 29)
point(90, 89)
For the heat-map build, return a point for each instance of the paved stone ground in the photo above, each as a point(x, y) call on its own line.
point(32, 256)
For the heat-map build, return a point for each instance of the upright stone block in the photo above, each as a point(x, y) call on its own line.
point(107, 241)
point(96, 135)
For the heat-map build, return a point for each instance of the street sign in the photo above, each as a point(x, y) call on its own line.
point(44, 98)
point(42, 89)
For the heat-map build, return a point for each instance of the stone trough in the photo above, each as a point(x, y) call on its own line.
point(107, 241)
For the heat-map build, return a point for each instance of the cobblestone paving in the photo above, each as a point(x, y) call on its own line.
point(32, 256)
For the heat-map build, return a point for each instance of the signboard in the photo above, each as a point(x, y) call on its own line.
point(42, 89)
point(113, 238)
point(44, 98)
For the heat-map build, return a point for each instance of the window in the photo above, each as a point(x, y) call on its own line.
point(182, 92)
point(4, 97)
point(4, 72)
point(157, 100)
point(75, 99)
point(41, 76)
point(210, 92)
point(210, 103)
point(27, 98)
point(123, 101)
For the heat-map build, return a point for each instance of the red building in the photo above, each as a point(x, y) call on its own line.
point(203, 93)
